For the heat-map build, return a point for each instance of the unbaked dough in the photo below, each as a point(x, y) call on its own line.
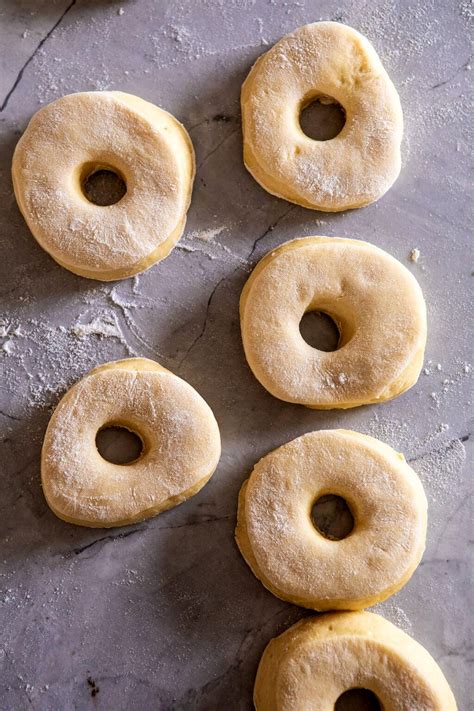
point(328, 61)
point(180, 436)
point(277, 538)
point(74, 137)
point(308, 667)
point(375, 301)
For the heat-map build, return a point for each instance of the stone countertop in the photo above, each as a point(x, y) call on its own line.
point(166, 614)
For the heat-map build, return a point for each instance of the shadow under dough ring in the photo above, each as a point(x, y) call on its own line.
point(80, 134)
point(334, 63)
point(318, 660)
point(375, 302)
point(297, 563)
point(180, 437)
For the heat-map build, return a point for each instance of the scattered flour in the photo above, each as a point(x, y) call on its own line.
point(453, 384)
point(204, 241)
point(441, 468)
point(105, 325)
point(42, 360)
point(8, 347)
point(208, 235)
point(392, 612)
point(433, 445)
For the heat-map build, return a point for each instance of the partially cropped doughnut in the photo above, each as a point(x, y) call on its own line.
point(333, 63)
point(294, 560)
point(375, 302)
point(179, 434)
point(75, 137)
point(318, 660)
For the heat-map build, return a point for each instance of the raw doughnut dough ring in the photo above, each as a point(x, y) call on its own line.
point(315, 661)
point(74, 137)
point(375, 301)
point(180, 436)
point(325, 60)
point(294, 560)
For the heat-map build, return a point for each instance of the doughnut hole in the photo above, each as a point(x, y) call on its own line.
point(332, 517)
point(320, 331)
point(322, 118)
point(119, 445)
point(358, 700)
point(102, 185)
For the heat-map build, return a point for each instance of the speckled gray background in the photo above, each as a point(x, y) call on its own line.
point(165, 614)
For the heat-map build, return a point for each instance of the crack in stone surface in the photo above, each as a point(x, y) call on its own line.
point(32, 56)
point(204, 325)
point(197, 522)
point(441, 561)
point(11, 417)
point(448, 522)
point(126, 534)
point(217, 118)
point(449, 445)
point(269, 229)
point(206, 158)
point(205, 690)
point(459, 69)
point(112, 537)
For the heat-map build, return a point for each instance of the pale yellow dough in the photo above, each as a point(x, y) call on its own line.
point(79, 134)
point(294, 560)
point(181, 445)
point(375, 301)
point(324, 60)
point(314, 662)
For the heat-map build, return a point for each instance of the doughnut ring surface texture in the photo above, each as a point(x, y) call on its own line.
point(308, 667)
point(74, 137)
point(374, 300)
point(287, 553)
point(181, 445)
point(327, 61)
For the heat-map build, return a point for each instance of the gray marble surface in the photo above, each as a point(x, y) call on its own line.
point(166, 614)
